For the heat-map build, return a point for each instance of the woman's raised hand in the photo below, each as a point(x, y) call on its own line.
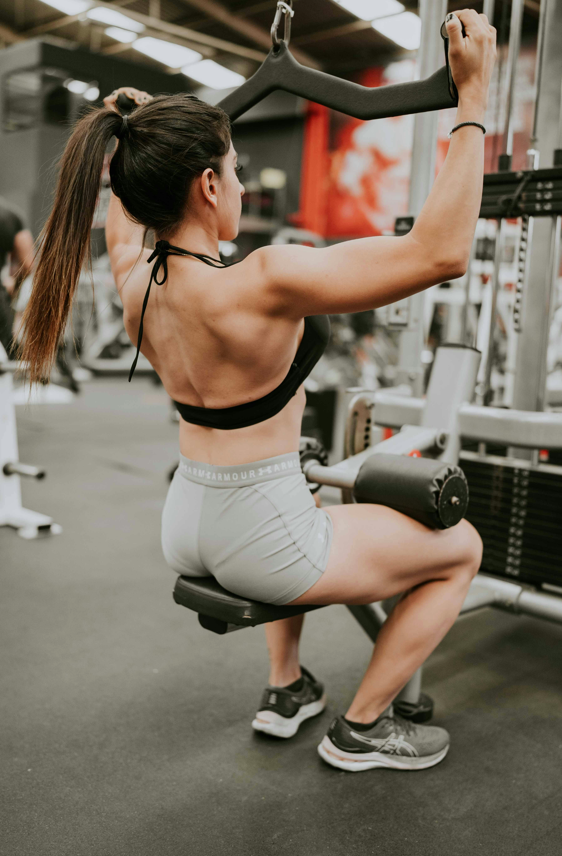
point(473, 56)
point(135, 95)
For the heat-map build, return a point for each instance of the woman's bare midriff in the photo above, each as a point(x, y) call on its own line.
point(201, 331)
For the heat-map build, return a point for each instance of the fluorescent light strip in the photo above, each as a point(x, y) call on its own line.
point(368, 10)
point(78, 87)
point(403, 29)
point(69, 7)
point(123, 36)
point(210, 73)
point(113, 18)
point(168, 53)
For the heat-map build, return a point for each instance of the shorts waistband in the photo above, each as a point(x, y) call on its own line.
point(240, 475)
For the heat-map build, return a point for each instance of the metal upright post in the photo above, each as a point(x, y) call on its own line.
point(513, 53)
point(430, 59)
point(505, 161)
point(529, 390)
point(488, 10)
point(422, 175)
point(532, 152)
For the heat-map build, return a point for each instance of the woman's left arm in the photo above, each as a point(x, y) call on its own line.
point(124, 239)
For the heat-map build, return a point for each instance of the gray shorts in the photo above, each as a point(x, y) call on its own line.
point(254, 527)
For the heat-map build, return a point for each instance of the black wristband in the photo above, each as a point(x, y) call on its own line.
point(462, 124)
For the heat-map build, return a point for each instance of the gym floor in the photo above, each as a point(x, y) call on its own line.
point(126, 726)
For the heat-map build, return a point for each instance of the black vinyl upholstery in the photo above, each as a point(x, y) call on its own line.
point(205, 596)
point(433, 492)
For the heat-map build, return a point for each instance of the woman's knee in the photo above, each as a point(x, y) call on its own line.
point(469, 549)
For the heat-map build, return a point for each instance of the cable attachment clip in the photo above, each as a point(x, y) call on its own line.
point(287, 10)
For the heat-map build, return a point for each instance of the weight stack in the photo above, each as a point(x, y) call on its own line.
point(518, 513)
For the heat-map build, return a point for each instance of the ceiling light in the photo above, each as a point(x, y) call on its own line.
point(273, 179)
point(124, 36)
point(403, 29)
point(114, 19)
point(227, 249)
point(210, 73)
point(69, 7)
point(368, 10)
point(92, 93)
point(79, 87)
point(167, 53)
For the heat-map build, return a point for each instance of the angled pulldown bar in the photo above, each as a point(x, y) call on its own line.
point(280, 70)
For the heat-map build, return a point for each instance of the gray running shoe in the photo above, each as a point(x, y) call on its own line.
point(392, 742)
point(282, 711)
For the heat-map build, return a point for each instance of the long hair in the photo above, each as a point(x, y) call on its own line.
point(163, 147)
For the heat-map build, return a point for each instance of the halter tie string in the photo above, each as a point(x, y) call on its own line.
point(159, 256)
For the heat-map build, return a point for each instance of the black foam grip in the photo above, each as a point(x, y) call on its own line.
point(433, 492)
point(280, 70)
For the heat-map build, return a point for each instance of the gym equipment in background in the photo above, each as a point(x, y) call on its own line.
point(29, 524)
point(311, 449)
point(105, 348)
point(37, 100)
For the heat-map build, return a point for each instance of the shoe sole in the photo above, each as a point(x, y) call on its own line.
point(369, 760)
point(273, 723)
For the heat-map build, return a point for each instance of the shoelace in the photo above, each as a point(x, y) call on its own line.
point(405, 725)
point(159, 256)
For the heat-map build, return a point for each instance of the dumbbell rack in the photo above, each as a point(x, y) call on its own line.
point(29, 524)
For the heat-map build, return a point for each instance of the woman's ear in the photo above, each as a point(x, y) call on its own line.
point(209, 186)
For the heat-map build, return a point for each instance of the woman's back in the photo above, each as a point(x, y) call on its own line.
point(215, 342)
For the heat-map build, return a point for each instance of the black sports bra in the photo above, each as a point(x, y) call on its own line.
point(313, 344)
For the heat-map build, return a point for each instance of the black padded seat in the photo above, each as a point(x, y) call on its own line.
point(221, 611)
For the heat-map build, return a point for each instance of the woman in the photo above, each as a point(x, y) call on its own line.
point(224, 343)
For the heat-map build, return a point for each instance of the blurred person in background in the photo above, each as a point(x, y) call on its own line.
point(16, 262)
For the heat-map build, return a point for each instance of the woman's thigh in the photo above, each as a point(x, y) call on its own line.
point(377, 552)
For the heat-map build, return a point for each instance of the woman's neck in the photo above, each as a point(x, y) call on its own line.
point(197, 239)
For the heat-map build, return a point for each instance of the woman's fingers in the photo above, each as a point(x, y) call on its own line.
point(471, 57)
point(109, 101)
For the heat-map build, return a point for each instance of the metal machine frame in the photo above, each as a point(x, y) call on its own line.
point(530, 194)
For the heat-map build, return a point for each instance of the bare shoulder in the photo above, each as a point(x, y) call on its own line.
point(255, 280)
point(268, 271)
point(350, 276)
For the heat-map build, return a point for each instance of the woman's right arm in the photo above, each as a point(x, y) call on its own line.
point(370, 272)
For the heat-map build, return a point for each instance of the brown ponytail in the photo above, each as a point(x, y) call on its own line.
point(64, 243)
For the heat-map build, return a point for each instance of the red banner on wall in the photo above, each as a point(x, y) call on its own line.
point(356, 174)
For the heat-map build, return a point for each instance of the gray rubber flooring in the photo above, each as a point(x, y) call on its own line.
point(126, 727)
